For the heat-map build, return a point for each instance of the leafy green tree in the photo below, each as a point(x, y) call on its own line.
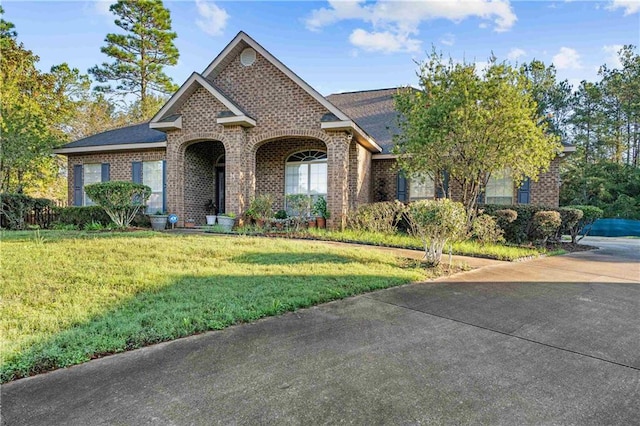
point(28, 105)
point(553, 97)
point(471, 125)
point(141, 54)
point(587, 120)
point(436, 222)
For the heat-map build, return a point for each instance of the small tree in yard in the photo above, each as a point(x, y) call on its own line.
point(120, 200)
point(472, 124)
point(545, 224)
point(589, 215)
point(435, 223)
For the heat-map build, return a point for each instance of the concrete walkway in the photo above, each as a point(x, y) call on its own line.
point(548, 341)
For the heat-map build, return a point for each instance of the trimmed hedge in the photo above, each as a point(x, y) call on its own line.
point(15, 207)
point(82, 216)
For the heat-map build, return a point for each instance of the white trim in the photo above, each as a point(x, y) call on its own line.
point(243, 37)
point(102, 148)
point(195, 78)
point(364, 139)
point(337, 125)
point(384, 156)
point(241, 120)
point(571, 148)
point(167, 125)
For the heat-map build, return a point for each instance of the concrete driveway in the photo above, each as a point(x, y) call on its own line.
point(549, 341)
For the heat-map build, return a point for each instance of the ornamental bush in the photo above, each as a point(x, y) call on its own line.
point(80, 217)
point(15, 207)
point(519, 230)
point(569, 217)
point(485, 229)
point(436, 222)
point(544, 225)
point(589, 215)
point(376, 217)
point(121, 200)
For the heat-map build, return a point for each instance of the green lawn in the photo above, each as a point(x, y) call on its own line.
point(463, 248)
point(67, 297)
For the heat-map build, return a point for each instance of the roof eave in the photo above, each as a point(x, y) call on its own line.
point(105, 148)
point(363, 138)
point(167, 125)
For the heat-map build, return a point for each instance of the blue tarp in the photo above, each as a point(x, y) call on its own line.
point(615, 228)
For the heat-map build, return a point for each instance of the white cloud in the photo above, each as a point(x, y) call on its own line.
point(612, 58)
point(395, 22)
point(384, 41)
point(515, 54)
point(214, 18)
point(448, 39)
point(630, 6)
point(567, 59)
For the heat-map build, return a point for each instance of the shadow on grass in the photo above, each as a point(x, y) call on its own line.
point(288, 258)
point(189, 305)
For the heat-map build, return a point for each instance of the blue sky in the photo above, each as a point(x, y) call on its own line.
point(351, 45)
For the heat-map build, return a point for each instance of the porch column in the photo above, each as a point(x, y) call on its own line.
point(338, 178)
point(235, 169)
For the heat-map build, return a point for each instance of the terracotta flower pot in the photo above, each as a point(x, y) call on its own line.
point(311, 223)
point(322, 222)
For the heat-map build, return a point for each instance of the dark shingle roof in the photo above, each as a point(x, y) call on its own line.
point(373, 110)
point(137, 133)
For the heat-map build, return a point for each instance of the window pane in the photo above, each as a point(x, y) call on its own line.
point(421, 187)
point(152, 177)
point(92, 173)
point(297, 179)
point(318, 178)
point(500, 188)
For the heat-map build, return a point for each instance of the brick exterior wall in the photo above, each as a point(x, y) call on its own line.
point(546, 191)
point(270, 165)
point(287, 120)
point(119, 164)
point(384, 180)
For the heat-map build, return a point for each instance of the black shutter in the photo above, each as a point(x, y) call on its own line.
point(136, 171)
point(524, 192)
point(164, 185)
point(401, 187)
point(481, 196)
point(77, 185)
point(106, 172)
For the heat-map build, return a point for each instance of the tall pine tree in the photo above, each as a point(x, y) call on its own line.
point(140, 55)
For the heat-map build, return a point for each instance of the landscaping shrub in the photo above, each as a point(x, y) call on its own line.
point(121, 200)
point(435, 222)
point(589, 215)
point(519, 230)
point(300, 207)
point(14, 207)
point(545, 224)
point(485, 229)
point(376, 217)
point(569, 217)
point(81, 216)
point(261, 207)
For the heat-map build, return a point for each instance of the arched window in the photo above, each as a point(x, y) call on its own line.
point(306, 173)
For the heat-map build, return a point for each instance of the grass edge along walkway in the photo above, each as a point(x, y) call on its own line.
point(71, 297)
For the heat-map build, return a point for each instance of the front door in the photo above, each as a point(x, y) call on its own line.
point(220, 189)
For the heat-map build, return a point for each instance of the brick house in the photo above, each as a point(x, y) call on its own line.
point(249, 126)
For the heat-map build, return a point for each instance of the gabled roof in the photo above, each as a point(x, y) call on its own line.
point(137, 136)
point(373, 110)
point(168, 113)
point(342, 121)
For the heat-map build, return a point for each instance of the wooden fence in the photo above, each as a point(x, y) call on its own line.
point(42, 217)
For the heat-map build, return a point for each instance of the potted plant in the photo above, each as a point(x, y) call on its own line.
point(227, 220)
point(280, 219)
point(158, 220)
point(261, 208)
point(189, 223)
point(321, 212)
point(211, 210)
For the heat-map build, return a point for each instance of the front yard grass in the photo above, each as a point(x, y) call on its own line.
point(462, 248)
point(68, 297)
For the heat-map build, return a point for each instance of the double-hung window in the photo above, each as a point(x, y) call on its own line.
point(306, 173)
point(421, 187)
point(499, 188)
